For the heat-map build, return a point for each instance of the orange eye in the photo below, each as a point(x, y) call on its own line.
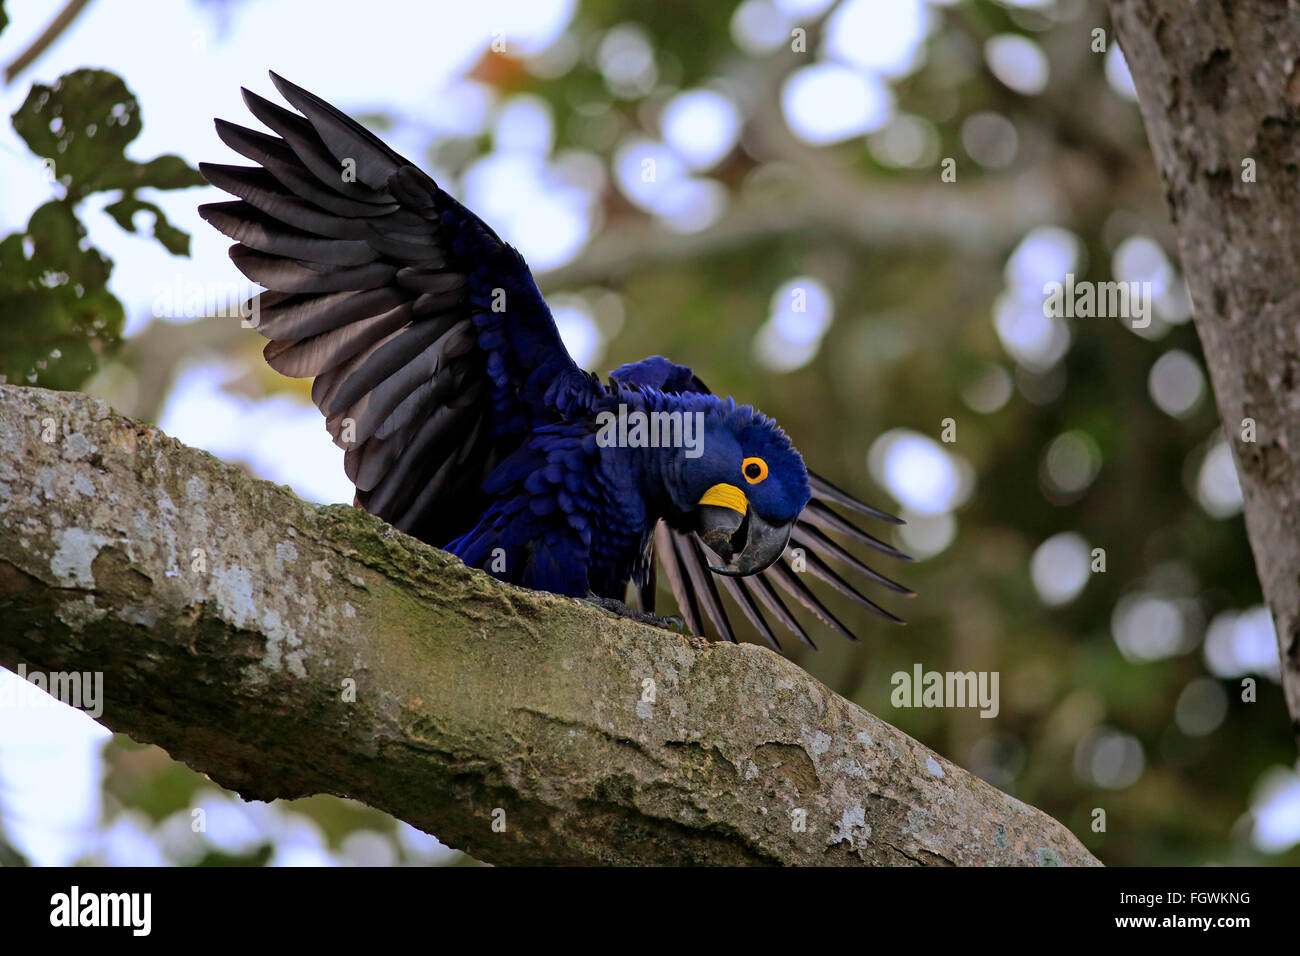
point(754, 470)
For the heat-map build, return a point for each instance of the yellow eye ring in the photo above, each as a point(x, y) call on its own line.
point(754, 470)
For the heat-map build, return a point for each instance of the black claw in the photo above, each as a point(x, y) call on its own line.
point(614, 606)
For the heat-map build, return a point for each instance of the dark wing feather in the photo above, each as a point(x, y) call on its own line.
point(816, 541)
point(817, 513)
point(381, 287)
point(686, 561)
point(701, 578)
point(669, 545)
point(762, 587)
point(821, 488)
point(692, 582)
point(740, 593)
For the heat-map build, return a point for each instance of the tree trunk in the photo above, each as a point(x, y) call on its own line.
point(286, 649)
point(1219, 87)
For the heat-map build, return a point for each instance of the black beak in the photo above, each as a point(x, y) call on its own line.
point(745, 542)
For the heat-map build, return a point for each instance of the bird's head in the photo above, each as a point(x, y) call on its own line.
point(743, 491)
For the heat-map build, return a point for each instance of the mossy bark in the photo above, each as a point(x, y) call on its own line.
point(286, 649)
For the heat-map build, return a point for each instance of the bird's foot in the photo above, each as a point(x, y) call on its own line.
point(669, 622)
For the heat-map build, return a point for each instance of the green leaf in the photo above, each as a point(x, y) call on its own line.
point(82, 124)
point(176, 241)
point(56, 340)
point(56, 236)
point(165, 172)
point(58, 315)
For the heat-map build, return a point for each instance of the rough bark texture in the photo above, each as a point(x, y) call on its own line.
point(472, 698)
point(1219, 86)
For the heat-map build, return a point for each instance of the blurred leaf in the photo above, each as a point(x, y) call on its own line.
point(176, 241)
point(59, 316)
point(258, 857)
point(83, 124)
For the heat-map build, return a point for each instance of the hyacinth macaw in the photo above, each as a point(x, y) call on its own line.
point(466, 423)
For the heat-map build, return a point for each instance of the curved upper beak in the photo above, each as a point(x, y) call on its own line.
point(737, 533)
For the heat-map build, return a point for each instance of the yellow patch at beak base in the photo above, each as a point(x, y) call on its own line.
point(726, 496)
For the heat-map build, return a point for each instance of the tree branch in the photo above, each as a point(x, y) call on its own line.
point(231, 619)
point(62, 20)
point(1219, 87)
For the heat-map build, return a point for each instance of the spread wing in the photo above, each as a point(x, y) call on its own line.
point(762, 597)
point(686, 563)
point(432, 350)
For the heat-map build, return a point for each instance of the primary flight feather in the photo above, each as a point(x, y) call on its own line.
point(466, 423)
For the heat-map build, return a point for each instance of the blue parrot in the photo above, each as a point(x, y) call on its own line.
point(466, 423)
